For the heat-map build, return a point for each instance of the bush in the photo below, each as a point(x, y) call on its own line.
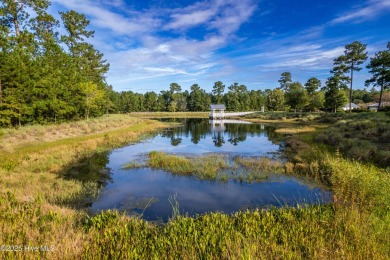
point(360, 136)
point(385, 109)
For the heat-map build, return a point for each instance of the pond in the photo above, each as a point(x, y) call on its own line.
point(151, 193)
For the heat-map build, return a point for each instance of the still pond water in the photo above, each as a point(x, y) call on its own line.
point(148, 192)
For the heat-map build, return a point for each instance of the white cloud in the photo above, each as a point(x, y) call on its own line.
point(185, 21)
point(152, 45)
point(175, 55)
point(223, 16)
point(370, 10)
point(166, 70)
point(104, 18)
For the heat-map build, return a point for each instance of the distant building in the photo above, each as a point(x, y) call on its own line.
point(217, 111)
point(376, 105)
point(353, 106)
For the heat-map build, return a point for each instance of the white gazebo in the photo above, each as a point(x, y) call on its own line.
point(217, 111)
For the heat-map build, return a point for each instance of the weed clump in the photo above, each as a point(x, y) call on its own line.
point(363, 137)
point(202, 167)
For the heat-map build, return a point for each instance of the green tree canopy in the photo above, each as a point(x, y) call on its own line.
point(296, 96)
point(354, 55)
point(276, 100)
point(285, 80)
point(217, 92)
point(335, 98)
point(312, 85)
point(379, 67)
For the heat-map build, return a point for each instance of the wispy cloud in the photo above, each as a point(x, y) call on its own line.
point(117, 23)
point(178, 54)
point(369, 10)
point(223, 16)
point(187, 43)
point(189, 20)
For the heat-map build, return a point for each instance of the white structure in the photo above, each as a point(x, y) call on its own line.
point(219, 124)
point(218, 112)
point(353, 106)
point(376, 105)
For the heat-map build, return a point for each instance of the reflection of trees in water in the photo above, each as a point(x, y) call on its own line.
point(235, 140)
point(90, 169)
point(195, 127)
point(198, 128)
point(175, 141)
point(218, 139)
point(237, 133)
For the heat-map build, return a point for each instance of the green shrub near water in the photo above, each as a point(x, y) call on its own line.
point(214, 167)
point(363, 136)
point(202, 167)
point(300, 116)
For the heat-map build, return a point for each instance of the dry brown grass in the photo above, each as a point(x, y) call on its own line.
point(284, 120)
point(31, 160)
point(29, 135)
point(30, 166)
point(295, 130)
point(170, 114)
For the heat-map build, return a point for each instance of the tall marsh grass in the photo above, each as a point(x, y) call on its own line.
point(363, 136)
point(35, 209)
point(206, 167)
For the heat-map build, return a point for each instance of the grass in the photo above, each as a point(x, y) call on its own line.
point(212, 167)
point(317, 232)
point(170, 114)
point(295, 130)
point(353, 228)
point(37, 205)
point(30, 135)
point(282, 117)
point(206, 167)
point(363, 136)
point(255, 169)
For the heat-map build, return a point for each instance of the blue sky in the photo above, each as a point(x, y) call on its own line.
point(150, 44)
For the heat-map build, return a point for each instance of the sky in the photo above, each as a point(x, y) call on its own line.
point(150, 44)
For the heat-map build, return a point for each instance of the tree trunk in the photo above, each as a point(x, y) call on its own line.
point(380, 97)
point(1, 93)
point(16, 22)
point(350, 91)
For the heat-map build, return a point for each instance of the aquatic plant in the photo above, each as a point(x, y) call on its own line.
point(205, 167)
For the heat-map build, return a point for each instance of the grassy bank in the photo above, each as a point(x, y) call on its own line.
point(363, 136)
point(37, 206)
point(355, 227)
point(170, 114)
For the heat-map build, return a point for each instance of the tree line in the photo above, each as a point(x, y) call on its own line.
point(290, 95)
point(46, 76)
point(295, 96)
point(49, 76)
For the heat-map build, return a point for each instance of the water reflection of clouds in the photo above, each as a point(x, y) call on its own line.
point(197, 138)
point(195, 196)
